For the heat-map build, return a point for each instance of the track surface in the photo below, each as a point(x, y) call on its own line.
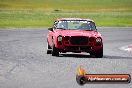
point(25, 64)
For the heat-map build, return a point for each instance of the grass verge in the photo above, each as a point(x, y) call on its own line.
point(38, 19)
point(42, 13)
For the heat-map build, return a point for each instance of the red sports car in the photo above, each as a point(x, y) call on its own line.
point(74, 35)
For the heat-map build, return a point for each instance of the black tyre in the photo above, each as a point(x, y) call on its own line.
point(55, 51)
point(99, 53)
point(49, 50)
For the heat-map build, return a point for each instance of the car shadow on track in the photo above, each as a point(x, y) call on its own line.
point(116, 57)
point(76, 55)
point(89, 56)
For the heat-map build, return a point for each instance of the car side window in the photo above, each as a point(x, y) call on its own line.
point(60, 25)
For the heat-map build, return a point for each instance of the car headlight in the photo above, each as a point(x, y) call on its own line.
point(59, 38)
point(98, 40)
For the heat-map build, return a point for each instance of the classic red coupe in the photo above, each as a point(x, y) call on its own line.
point(74, 35)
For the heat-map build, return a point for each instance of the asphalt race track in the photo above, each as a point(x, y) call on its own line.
point(25, 64)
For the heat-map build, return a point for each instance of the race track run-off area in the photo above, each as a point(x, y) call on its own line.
point(127, 48)
point(25, 64)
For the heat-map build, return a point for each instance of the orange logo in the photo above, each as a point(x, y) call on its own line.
point(82, 77)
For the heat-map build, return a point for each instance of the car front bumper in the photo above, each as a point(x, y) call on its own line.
point(79, 48)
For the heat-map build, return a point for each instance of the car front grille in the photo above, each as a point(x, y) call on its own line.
point(79, 40)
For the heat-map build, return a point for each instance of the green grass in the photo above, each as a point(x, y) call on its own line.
point(42, 13)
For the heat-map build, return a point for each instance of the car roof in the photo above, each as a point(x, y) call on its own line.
point(61, 19)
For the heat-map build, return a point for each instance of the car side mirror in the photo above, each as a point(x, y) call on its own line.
point(50, 29)
point(96, 28)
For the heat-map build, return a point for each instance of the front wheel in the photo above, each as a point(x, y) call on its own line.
point(49, 51)
point(99, 53)
point(55, 51)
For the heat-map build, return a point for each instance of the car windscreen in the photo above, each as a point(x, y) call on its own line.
point(76, 25)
